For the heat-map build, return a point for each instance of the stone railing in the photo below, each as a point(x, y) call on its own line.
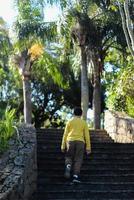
point(18, 166)
point(119, 126)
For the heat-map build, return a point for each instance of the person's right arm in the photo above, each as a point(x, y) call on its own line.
point(87, 139)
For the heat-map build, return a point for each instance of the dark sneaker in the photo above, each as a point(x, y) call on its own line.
point(67, 171)
point(76, 179)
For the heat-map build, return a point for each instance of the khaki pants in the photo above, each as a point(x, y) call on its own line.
point(74, 155)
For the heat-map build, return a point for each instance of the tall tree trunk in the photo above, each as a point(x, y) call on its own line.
point(84, 83)
point(27, 99)
point(96, 94)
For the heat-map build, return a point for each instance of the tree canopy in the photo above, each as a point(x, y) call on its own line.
point(53, 49)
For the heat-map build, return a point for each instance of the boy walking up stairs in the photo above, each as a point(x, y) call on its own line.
point(75, 139)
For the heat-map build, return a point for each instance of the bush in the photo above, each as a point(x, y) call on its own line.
point(6, 128)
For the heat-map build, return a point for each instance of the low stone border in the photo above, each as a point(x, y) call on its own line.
point(119, 126)
point(18, 166)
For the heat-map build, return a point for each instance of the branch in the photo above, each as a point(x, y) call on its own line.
point(125, 29)
point(129, 23)
point(108, 46)
point(105, 41)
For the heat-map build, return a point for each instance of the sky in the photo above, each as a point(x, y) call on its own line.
point(9, 13)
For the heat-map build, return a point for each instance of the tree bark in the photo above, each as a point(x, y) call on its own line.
point(27, 100)
point(84, 83)
point(96, 94)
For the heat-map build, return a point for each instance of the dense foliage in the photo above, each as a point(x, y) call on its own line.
point(121, 91)
point(55, 75)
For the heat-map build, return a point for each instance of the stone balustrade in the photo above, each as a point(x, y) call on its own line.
point(18, 166)
point(119, 126)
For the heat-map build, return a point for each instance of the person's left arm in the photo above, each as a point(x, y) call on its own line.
point(64, 138)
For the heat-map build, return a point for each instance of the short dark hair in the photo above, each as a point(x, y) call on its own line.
point(78, 111)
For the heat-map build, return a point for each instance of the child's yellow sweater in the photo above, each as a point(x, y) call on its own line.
point(76, 129)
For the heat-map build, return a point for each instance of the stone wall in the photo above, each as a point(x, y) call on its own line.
point(18, 166)
point(119, 126)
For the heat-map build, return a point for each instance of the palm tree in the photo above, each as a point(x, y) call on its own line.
point(95, 33)
point(87, 36)
point(79, 35)
point(29, 31)
point(31, 35)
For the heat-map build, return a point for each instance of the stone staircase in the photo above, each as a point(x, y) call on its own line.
point(107, 174)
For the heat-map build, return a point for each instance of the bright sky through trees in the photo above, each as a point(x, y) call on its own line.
point(8, 12)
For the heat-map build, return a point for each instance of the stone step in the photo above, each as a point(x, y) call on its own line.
point(92, 163)
point(86, 168)
point(60, 165)
point(99, 178)
point(60, 134)
point(55, 131)
point(85, 194)
point(97, 146)
point(90, 171)
point(87, 162)
point(95, 198)
point(110, 155)
point(93, 139)
point(88, 186)
point(46, 150)
point(52, 142)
